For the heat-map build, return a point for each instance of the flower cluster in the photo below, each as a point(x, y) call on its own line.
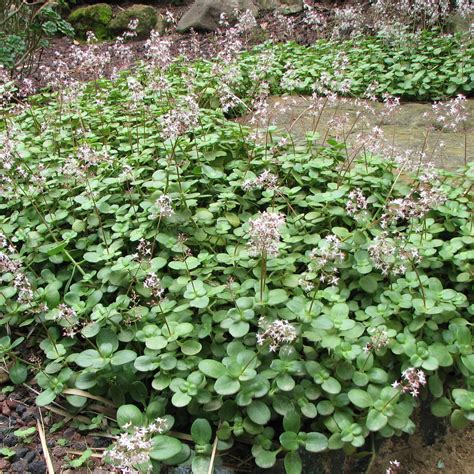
point(313, 17)
point(153, 283)
point(277, 333)
point(133, 448)
point(143, 253)
point(66, 315)
point(265, 234)
point(356, 203)
point(266, 180)
point(180, 119)
point(164, 205)
point(9, 265)
point(378, 340)
point(419, 201)
point(451, 115)
point(412, 381)
point(392, 255)
point(158, 51)
point(393, 467)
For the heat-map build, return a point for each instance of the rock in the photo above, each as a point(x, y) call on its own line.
point(20, 466)
point(100, 442)
point(20, 409)
point(69, 433)
point(287, 7)
point(37, 467)
point(10, 440)
point(148, 20)
point(30, 456)
point(27, 417)
point(95, 18)
point(205, 14)
point(20, 454)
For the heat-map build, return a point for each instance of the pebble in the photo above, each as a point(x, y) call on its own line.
point(69, 433)
point(20, 466)
point(37, 467)
point(10, 440)
point(27, 417)
point(100, 442)
point(30, 456)
point(20, 409)
point(79, 446)
point(20, 454)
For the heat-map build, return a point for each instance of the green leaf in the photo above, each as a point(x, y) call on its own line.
point(180, 399)
point(226, 385)
point(458, 420)
point(436, 385)
point(45, 398)
point(200, 464)
point(259, 412)
point(440, 353)
point(7, 452)
point(289, 440)
point(90, 358)
point(239, 329)
point(339, 311)
point(441, 407)
point(156, 343)
point(129, 414)
point(212, 368)
point(190, 347)
point(376, 420)
point(277, 296)
point(201, 302)
point(331, 385)
point(165, 447)
point(201, 431)
point(107, 342)
point(25, 432)
point(145, 363)
point(80, 461)
point(293, 464)
point(292, 421)
point(123, 357)
point(18, 372)
point(369, 284)
point(316, 442)
point(360, 398)
point(265, 459)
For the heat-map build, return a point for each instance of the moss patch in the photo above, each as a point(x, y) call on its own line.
point(147, 17)
point(95, 18)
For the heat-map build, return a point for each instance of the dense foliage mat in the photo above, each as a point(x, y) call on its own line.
point(290, 294)
point(426, 66)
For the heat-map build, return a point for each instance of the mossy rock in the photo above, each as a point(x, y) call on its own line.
point(147, 17)
point(95, 18)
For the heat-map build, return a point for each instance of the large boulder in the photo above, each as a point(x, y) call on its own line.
point(204, 15)
point(148, 20)
point(95, 18)
point(287, 7)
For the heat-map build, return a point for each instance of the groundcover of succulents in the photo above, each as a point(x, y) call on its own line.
point(234, 236)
